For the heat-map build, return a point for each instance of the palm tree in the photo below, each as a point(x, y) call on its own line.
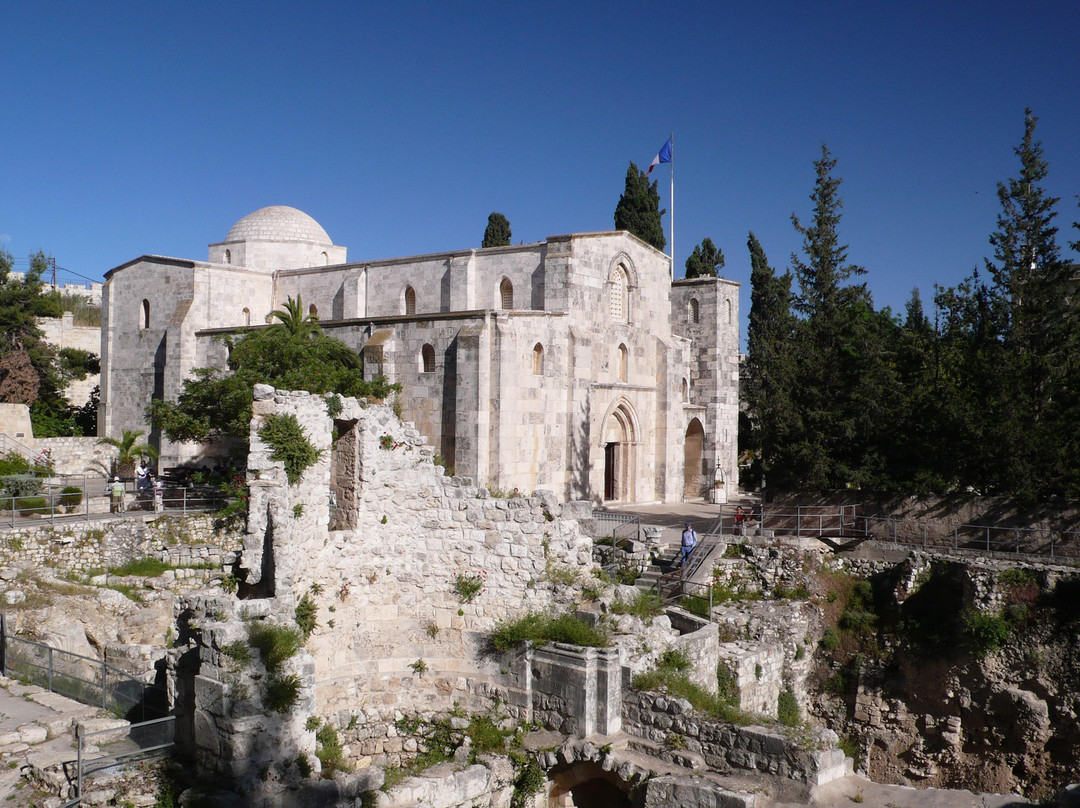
point(129, 450)
point(293, 320)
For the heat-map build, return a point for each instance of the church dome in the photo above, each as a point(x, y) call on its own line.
point(278, 223)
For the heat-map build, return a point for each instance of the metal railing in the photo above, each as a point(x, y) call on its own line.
point(51, 504)
point(118, 746)
point(1059, 545)
point(10, 444)
point(84, 679)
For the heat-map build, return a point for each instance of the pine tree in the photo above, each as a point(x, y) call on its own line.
point(638, 209)
point(497, 233)
point(1031, 287)
point(768, 372)
point(705, 261)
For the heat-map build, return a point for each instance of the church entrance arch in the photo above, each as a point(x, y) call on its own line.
point(694, 445)
point(618, 442)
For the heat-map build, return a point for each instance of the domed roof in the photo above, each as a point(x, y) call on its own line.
point(278, 223)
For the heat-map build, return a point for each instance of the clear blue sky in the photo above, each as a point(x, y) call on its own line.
point(147, 127)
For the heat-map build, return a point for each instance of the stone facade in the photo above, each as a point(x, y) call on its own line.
point(61, 332)
point(573, 364)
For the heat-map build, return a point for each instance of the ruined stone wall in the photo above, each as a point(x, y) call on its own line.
point(726, 747)
point(61, 332)
point(82, 546)
point(386, 585)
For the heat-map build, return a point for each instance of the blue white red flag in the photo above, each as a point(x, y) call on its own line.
point(664, 156)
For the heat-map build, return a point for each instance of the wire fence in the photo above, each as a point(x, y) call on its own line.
point(118, 746)
point(84, 679)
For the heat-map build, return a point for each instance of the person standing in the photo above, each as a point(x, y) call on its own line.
point(117, 493)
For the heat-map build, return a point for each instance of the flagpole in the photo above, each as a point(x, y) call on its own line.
point(671, 222)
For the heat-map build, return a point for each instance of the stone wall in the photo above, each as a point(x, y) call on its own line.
point(728, 747)
point(62, 332)
point(79, 456)
point(81, 546)
point(15, 422)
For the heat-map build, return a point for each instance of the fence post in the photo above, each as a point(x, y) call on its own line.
point(988, 538)
point(184, 506)
point(3, 644)
point(50, 667)
point(924, 535)
point(86, 496)
point(798, 521)
point(78, 762)
point(104, 682)
point(1017, 531)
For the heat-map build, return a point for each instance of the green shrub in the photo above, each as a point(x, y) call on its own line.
point(283, 433)
point(31, 505)
point(306, 615)
point(21, 485)
point(14, 463)
point(1018, 576)
point(985, 633)
point(328, 750)
point(538, 628)
point(274, 643)
point(830, 640)
point(787, 708)
point(333, 405)
point(281, 693)
point(485, 735)
point(71, 496)
point(531, 780)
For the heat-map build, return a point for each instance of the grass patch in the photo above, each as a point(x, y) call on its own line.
point(670, 677)
point(646, 605)
point(539, 629)
point(281, 693)
point(145, 567)
point(787, 709)
point(306, 614)
point(329, 752)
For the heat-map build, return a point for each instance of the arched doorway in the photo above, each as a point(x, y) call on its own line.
point(693, 484)
point(618, 442)
point(587, 785)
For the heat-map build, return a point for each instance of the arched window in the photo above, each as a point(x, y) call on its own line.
point(325, 258)
point(146, 314)
point(410, 300)
point(618, 302)
point(228, 256)
point(427, 359)
point(622, 363)
point(685, 391)
point(247, 316)
point(313, 311)
point(506, 295)
point(538, 359)
point(692, 310)
point(727, 306)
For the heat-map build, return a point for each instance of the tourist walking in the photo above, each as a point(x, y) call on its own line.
point(116, 491)
point(689, 542)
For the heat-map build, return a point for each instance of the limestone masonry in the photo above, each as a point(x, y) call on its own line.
point(573, 364)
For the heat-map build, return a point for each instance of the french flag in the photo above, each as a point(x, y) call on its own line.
point(663, 156)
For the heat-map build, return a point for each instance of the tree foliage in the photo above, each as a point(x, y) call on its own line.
point(638, 209)
point(705, 261)
point(291, 354)
point(30, 370)
point(983, 397)
point(497, 233)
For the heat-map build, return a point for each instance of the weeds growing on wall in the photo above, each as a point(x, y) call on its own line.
point(669, 675)
point(467, 587)
point(283, 433)
point(281, 693)
point(787, 708)
point(538, 628)
point(306, 615)
point(274, 643)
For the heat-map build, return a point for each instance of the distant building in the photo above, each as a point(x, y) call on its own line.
point(573, 364)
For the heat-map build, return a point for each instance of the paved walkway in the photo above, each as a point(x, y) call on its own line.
point(36, 728)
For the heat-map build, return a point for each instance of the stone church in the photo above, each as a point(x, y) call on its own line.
point(575, 364)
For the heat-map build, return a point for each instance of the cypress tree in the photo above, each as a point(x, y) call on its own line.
point(705, 261)
point(497, 233)
point(768, 372)
point(638, 209)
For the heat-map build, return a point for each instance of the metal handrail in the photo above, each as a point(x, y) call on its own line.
point(82, 767)
point(10, 444)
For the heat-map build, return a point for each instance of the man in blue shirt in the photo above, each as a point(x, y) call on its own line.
point(689, 542)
